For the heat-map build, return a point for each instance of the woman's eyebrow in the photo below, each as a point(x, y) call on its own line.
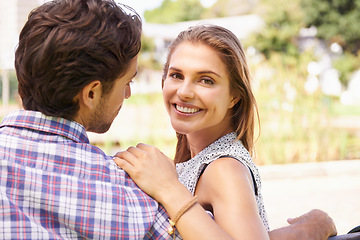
point(209, 72)
point(200, 72)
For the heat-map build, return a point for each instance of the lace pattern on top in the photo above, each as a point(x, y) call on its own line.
point(227, 146)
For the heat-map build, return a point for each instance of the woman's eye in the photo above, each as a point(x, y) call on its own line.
point(175, 75)
point(207, 81)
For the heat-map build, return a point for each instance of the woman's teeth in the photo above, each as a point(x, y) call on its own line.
point(187, 110)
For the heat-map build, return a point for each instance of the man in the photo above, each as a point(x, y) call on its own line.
point(74, 63)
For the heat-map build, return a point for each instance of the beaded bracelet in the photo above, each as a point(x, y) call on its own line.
point(183, 210)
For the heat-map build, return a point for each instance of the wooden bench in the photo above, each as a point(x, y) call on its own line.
point(349, 236)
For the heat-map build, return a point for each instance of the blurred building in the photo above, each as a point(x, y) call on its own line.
point(13, 16)
point(242, 26)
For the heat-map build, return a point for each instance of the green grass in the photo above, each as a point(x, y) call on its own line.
point(144, 99)
point(338, 109)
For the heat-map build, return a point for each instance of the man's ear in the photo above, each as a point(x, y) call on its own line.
point(90, 95)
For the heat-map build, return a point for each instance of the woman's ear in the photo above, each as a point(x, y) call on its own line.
point(234, 101)
point(90, 95)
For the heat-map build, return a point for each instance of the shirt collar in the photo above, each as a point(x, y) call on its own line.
point(40, 122)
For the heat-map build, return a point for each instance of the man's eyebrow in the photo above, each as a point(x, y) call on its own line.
point(175, 69)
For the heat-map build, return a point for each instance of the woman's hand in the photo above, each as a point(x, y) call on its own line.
point(155, 174)
point(151, 170)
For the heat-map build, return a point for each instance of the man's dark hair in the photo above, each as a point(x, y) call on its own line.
point(66, 44)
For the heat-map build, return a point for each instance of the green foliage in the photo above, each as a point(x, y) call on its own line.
point(283, 23)
point(298, 127)
point(147, 44)
point(175, 11)
point(336, 21)
point(146, 59)
point(346, 64)
point(13, 85)
point(226, 8)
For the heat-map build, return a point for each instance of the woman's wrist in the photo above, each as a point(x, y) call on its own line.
point(182, 211)
point(175, 198)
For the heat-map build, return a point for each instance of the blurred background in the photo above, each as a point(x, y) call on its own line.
point(305, 63)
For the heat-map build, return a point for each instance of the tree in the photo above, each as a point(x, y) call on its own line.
point(146, 59)
point(226, 8)
point(175, 11)
point(282, 25)
point(336, 21)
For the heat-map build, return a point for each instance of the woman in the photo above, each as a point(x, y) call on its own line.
point(207, 94)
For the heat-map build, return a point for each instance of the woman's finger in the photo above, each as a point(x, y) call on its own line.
point(128, 156)
point(145, 147)
point(137, 152)
point(154, 151)
point(124, 164)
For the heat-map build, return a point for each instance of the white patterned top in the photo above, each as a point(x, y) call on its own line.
point(227, 146)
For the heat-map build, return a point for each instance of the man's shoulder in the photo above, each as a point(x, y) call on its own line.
point(56, 145)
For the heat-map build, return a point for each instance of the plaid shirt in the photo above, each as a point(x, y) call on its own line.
point(55, 185)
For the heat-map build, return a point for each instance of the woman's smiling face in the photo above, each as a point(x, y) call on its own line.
point(196, 90)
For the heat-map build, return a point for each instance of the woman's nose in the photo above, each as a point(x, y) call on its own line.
point(186, 90)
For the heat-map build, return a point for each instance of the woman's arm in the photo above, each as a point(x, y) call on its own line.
point(227, 186)
point(155, 174)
